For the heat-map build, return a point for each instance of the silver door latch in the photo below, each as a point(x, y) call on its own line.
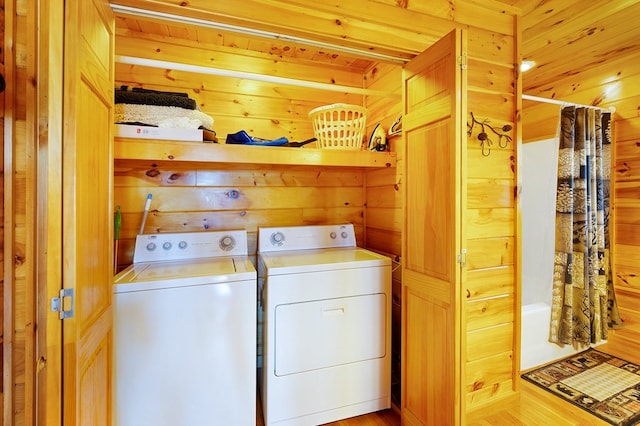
point(462, 258)
point(58, 303)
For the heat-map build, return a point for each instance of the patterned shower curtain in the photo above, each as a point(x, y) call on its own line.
point(584, 304)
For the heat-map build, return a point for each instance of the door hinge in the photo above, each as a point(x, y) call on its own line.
point(462, 258)
point(463, 61)
point(58, 303)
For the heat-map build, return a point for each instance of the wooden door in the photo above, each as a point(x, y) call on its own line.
point(433, 138)
point(87, 222)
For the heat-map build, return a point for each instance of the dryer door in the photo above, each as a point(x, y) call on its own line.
point(325, 333)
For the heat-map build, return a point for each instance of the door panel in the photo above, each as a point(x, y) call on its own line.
point(430, 219)
point(87, 222)
point(337, 336)
point(432, 131)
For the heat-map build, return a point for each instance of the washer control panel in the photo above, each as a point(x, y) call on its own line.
point(189, 245)
point(306, 237)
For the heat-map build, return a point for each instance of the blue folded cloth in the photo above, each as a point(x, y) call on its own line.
point(243, 138)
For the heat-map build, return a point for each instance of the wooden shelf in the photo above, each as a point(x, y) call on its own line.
point(194, 153)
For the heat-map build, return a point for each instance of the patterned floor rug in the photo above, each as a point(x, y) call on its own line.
point(605, 386)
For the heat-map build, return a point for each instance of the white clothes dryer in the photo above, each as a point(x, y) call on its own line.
point(326, 325)
point(184, 332)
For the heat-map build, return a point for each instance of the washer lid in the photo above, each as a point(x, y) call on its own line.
point(291, 262)
point(180, 273)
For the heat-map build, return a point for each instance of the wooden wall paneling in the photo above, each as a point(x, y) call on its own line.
point(627, 234)
point(626, 193)
point(482, 313)
point(29, 264)
point(490, 223)
point(489, 341)
point(243, 176)
point(630, 215)
point(628, 298)
point(250, 219)
point(482, 192)
point(384, 110)
point(214, 198)
point(492, 45)
point(627, 129)
point(626, 205)
point(630, 320)
point(385, 242)
point(385, 219)
point(151, 47)
point(489, 379)
point(499, 164)
point(241, 198)
point(628, 149)
point(383, 213)
point(203, 83)
point(19, 283)
point(490, 281)
point(626, 255)
point(383, 196)
point(542, 121)
point(497, 78)
point(626, 108)
point(493, 107)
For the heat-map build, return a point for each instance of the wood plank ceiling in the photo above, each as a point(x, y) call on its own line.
point(564, 37)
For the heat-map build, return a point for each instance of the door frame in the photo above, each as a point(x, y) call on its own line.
point(49, 210)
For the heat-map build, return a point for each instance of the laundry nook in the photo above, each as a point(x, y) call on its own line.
point(301, 213)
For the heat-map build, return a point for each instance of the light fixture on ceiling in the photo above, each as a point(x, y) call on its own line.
point(527, 65)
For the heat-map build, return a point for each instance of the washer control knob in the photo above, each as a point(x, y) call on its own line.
point(344, 234)
point(166, 245)
point(227, 243)
point(151, 246)
point(277, 239)
point(332, 235)
point(182, 245)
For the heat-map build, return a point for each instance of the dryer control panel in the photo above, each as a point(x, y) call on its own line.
point(305, 237)
point(189, 245)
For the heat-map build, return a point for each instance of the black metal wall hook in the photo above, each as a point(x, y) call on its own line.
point(483, 136)
point(3, 85)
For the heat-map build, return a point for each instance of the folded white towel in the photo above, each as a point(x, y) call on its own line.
point(162, 116)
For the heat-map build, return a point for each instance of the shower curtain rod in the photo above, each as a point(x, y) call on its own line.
point(563, 103)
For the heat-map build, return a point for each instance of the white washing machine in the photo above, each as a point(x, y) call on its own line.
point(326, 324)
point(184, 332)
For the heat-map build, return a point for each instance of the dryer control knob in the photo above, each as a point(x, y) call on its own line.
point(277, 239)
point(333, 235)
point(151, 246)
point(227, 243)
point(182, 245)
point(344, 234)
point(166, 246)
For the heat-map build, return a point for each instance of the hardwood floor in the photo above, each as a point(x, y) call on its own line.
point(532, 407)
